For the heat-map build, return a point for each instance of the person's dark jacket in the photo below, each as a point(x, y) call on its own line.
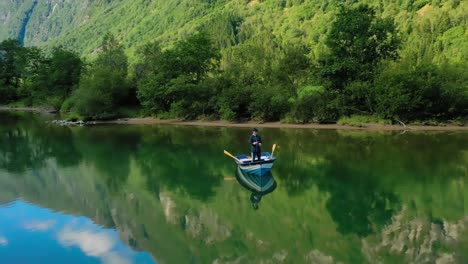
point(256, 147)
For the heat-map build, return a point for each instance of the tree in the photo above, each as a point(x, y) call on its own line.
point(293, 66)
point(36, 77)
point(175, 78)
point(105, 84)
point(50, 80)
point(65, 71)
point(358, 41)
point(149, 56)
point(12, 60)
point(196, 56)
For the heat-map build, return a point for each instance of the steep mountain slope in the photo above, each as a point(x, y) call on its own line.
point(79, 25)
point(11, 17)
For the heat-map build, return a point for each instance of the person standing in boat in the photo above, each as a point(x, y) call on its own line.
point(255, 143)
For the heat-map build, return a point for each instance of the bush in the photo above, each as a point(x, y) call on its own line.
point(315, 104)
point(362, 120)
point(67, 105)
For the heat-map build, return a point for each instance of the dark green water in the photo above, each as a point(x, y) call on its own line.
point(166, 194)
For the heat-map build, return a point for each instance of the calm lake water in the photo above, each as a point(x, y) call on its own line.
point(168, 194)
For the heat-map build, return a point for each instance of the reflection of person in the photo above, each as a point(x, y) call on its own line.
point(256, 143)
point(255, 199)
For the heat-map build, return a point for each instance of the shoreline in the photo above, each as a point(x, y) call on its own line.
point(249, 124)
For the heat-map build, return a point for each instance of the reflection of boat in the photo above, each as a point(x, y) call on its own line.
point(255, 182)
point(259, 185)
point(259, 167)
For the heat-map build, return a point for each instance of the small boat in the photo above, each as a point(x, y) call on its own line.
point(258, 167)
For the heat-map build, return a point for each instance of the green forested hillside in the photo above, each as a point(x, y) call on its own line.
point(282, 49)
point(80, 24)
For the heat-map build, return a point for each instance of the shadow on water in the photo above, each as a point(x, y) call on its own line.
point(258, 187)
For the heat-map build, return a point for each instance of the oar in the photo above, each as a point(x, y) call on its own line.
point(232, 156)
point(273, 150)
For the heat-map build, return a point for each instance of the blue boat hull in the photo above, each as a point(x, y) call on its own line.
point(257, 168)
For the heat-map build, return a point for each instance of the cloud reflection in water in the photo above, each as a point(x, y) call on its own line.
point(54, 237)
point(40, 226)
point(3, 241)
point(98, 244)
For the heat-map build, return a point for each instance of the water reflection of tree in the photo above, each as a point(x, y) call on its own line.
point(184, 160)
point(360, 170)
point(109, 150)
point(357, 204)
point(28, 144)
point(176, 159)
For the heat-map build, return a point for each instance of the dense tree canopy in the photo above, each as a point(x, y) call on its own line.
point(296, 61)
